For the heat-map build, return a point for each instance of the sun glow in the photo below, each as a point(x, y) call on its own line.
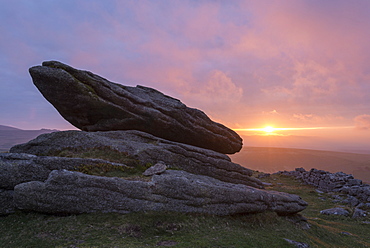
point(268, 129)
point(272, 130)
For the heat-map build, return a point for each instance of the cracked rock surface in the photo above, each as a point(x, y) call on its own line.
point(145, 148)
point(74, 192)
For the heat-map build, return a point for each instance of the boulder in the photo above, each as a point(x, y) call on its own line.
point(335, 211)
point(92, 103)
point(16, 168)
point(359, 213)
point(141, 147)
point(6, 202)
point(74, 192)
point(158, 168)
point(297, 244)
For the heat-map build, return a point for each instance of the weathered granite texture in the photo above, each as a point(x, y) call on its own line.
point(145, 148)
point(6, 202)
point(16, 168)
point(92, 103)
point(158, 168)
point(73, 192)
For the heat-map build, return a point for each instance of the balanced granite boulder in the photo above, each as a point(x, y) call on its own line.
point(143, 148)
point(177, 191)
point(92, 103)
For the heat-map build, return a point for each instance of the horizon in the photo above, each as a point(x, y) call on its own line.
point(267, 140)
point(292, 74)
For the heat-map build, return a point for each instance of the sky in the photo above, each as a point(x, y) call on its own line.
point(301, 65)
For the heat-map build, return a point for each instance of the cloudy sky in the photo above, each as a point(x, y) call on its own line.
point(297, 64)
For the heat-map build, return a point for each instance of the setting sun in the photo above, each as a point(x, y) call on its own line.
point(268, 129)
point(271, 130)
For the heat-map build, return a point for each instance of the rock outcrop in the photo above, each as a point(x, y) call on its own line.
point(47, 184)
point(73, 192)
point(126, 130)
point(143, 147)
point(340, 182)
point(92, 103)
point(344, 187)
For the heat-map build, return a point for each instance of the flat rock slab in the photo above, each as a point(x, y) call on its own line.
point(143, 147)
point(16, 168)
point(92, 103)
point(74, 192)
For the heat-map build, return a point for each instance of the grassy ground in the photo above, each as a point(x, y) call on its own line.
point(189, 230)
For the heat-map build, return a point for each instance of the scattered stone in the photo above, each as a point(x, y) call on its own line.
point(92, 103)
point(299, 220)
point(359, 213)
point(357, 192)
point(266, 184)
point(297, 244)
point(300, 170)
point(263, 175)
point(351, 200)
point(365, 206)
point(178, 191)
point(156, 169)
point(319, 191)
point(144, 148)
point(353, 182)
point(167, 243)
point(335, 211)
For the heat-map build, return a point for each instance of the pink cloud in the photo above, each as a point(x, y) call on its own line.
point(218, 93)
point(362, 122)
point(233, 60)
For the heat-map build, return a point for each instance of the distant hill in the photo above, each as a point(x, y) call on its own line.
point(7, 128)
point(10, 136)
point(269, 160)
